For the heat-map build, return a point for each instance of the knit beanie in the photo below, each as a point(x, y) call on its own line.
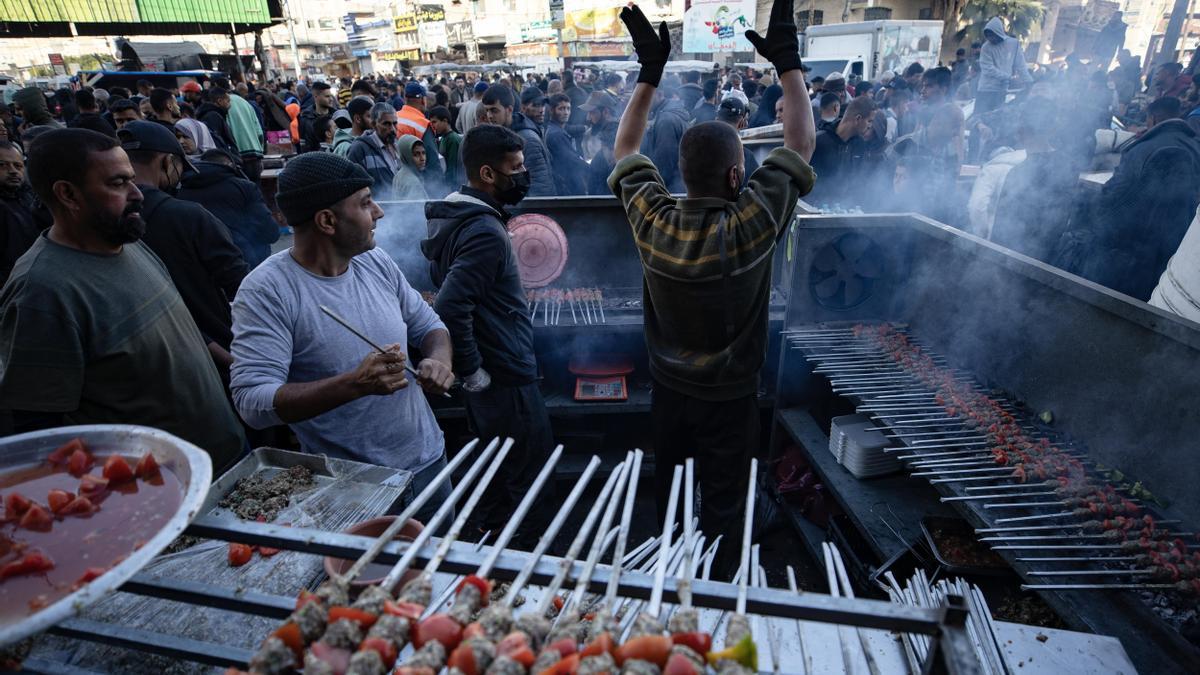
point(315, 181)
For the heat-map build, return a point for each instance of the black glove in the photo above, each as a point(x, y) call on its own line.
point(653, 49)
point(781, 46)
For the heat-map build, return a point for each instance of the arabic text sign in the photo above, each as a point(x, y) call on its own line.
point(718, 26)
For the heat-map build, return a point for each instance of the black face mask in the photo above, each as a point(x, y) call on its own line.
point(518, 187)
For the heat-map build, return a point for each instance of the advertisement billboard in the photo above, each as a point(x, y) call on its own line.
point(711, 26)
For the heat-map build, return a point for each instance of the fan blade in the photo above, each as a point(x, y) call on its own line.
point(828, 288)
point(827, 259)
point(854, 290)
point(853, 246)
point(869, 268)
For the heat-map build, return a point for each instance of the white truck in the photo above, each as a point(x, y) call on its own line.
point(868, 48)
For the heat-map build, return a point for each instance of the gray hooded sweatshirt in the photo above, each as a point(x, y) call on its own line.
point(1000, 63)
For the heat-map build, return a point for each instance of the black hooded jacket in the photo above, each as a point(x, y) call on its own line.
point(236, 202)
point(480, 297)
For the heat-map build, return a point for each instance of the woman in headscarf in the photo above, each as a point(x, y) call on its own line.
point(408, 183)
point(766, 107)
point(195, 129)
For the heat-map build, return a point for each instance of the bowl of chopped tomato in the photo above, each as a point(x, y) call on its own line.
point(82, 509)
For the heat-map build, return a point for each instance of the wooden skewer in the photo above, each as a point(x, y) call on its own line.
point(346, 324)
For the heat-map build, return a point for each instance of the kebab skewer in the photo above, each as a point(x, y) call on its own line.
point(476, 652)
point(388, 623)
point(434, 636)
point(309, 621)
point(561, 652)
point(740, 654)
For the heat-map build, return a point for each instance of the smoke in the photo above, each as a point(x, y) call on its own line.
point(399, 234)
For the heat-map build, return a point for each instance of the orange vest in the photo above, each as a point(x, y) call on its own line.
point(411, 122)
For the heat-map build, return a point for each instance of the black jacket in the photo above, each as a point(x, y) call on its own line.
point(1143, 211)
point(537, 157)
point(480, 297)
point(661, 143)
point(22, 219)
point(214, 118)
point(200, 256)
point(834, 162)
point(236, 202)
point(569, 168)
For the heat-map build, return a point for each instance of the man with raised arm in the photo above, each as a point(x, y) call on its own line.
point(707, 270)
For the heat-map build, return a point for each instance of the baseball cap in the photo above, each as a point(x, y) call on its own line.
point(192, 87)
point(414, 90)
point(599, 99)
point(731, 108)
point(342, 119)
point(145, 136)
point(481, 87)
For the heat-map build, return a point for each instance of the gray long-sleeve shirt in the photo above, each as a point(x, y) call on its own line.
point(282, 336)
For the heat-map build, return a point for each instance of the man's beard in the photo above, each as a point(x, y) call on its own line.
point(126, 228)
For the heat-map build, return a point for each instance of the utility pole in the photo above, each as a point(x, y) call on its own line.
point(287, 16)
point(1171, 36)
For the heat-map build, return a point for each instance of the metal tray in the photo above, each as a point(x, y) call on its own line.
point(325, 470)
point(189, 463)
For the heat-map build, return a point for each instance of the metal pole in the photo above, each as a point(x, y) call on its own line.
point(287, 16)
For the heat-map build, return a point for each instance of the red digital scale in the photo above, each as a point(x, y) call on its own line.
point(601, 377)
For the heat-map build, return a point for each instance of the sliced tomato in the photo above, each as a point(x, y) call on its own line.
point(679, 664)
point(338, 659)
point(652, 648)
point(462, 659)
point(515, 646)
point(602, 644)
point(565, 666)
point(290, 634)
point(37, 519)
point(384, 647)
point(15, 505)
point(701, 643)
point(63, 452)
point(147, 467)
point(414, 670)
point(92, 486)
point(306, 597)
point(564, 647)
point(34, 562)
point(473, 629)
point(117, 470)
point(267, 551)
point(358, 616)
point(408, 610)
point(558, 603)
point(484, 586)
point(239, 554)
point(440, 628)
point(80, 462)
point(57, 499)
point(80, 506)
point(89, 575)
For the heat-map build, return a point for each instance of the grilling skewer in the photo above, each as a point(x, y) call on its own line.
point(339, 627)
point(436, 635)
point(691, 645)
point(740, 654)
point(362, 336)
point(476, 652)
point(286, 645)
point(841, 586)
point(563, 639)
point(1190, 587)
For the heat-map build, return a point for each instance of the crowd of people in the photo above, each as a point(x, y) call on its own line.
point(139, 283)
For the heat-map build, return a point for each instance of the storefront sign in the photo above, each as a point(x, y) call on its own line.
point(399, 55)
point(537, 31)
point(460, 33)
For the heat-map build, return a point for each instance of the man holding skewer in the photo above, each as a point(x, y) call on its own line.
point(294, 365)
point(707, 270)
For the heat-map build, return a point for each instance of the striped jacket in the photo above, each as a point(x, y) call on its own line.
point(707, 272)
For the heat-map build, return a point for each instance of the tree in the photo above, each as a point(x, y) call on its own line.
point(948, 11)
point(1020, 17)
